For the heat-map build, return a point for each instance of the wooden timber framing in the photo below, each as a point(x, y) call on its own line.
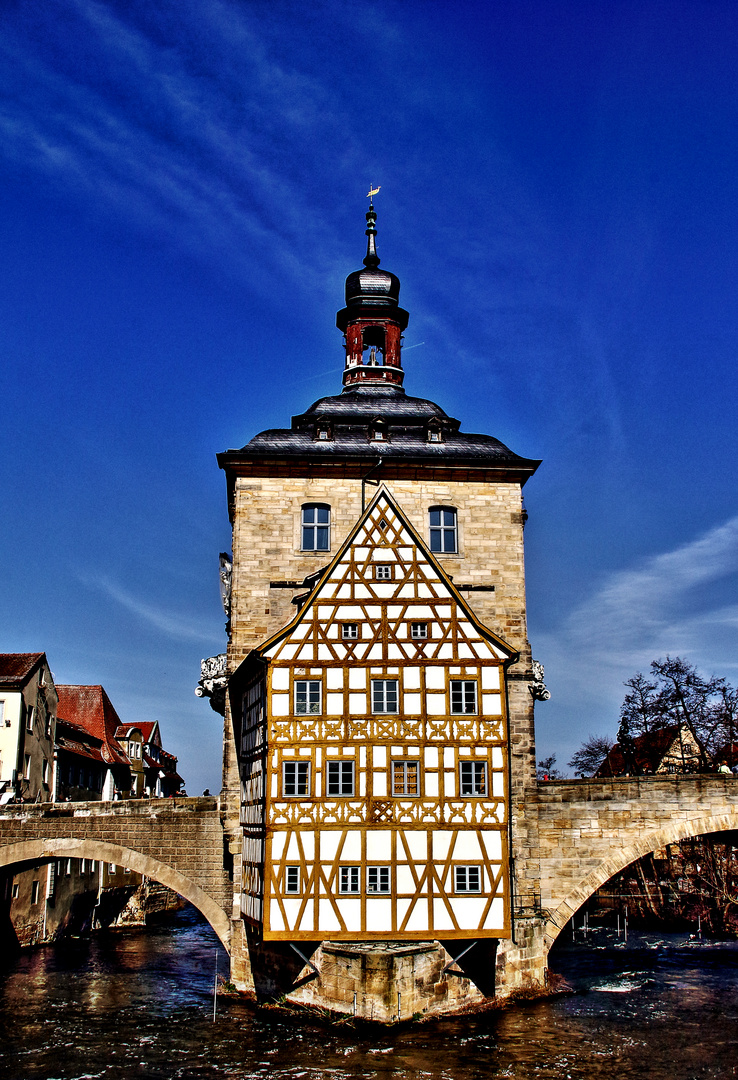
point(374, 863)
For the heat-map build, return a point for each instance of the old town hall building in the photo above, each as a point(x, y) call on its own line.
point(380, 721)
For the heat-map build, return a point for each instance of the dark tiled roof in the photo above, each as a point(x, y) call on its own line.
point(17, 667)
point(407, 422)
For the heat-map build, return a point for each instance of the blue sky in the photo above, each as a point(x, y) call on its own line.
point(183, 195)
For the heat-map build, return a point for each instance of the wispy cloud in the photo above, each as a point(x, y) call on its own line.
point(183, 628)
point(674, 602)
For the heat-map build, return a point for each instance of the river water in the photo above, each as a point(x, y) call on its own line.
point(140, 1004)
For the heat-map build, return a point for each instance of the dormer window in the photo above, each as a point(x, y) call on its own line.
point(378, 431)
point(434, 432)
point(323, 432)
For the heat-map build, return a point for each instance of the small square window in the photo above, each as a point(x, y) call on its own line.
point(377, 879)
point(473, 777)
point(292, 879)
point(405, 777)
point(384, 695)
point(295, 778)
point(307, 697)
point(349, 631)
point(340, 778)
point(464, 696)
point(383, 572)
point(419, 630)
point(467, 879)
point(348, 879)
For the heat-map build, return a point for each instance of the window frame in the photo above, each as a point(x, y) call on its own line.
point(289, 873)
point(419, 626)
point(464, 873)
point(349, 881)
point(30, 717)
point(299, 766)
point(311, 527)
point(404, 763)
point(340, 779)
point(35, 892)
point(476, 769)
point(307, 711)
point(384, 571)
point(385, 711)
point(383, 875)
point(346, 635)
point(439, 532)
point(464, 684)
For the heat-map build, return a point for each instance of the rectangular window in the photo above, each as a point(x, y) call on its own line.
point(378, 879)
point(473, 778)
point(307, 697)
point(292, 879)
point(467, 879)
point(348, 879)
point(113, 867)
point(316, 528)
point(405, 778)
point(83, 867)
point(45, 773)
point(383, 571)
point(16, 890)
point(29, 718)
point(384, 695)
point(34, 892)
point(443, 538)
point(68, 868)
point(340, 778)
point(2, 711)
point(27, 767)
point(464, 696)
point(93, 866)
point(418, 630)
point(349, 631)
point(295, 778)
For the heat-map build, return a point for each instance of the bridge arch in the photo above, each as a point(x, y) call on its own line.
point(35, 851)
point(672, 833)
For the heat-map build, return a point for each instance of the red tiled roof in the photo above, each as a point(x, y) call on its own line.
point(90, 708)
point(648, 752)
point(16, 667)
point(146, 727)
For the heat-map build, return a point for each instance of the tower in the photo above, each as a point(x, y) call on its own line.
point(379, 735)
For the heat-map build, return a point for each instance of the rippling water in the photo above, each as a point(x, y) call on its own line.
point(139, 1004)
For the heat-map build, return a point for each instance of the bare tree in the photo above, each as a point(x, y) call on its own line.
point(590, 755)
point(547, 769)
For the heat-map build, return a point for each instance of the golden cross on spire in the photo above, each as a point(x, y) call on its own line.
point(373, 191)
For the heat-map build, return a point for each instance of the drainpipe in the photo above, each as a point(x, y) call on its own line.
point(364, 481)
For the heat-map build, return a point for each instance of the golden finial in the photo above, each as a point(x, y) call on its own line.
point(373, 191)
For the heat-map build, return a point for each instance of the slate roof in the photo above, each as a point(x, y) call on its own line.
point(15, 668)
point(350, 415)
point(90, 708)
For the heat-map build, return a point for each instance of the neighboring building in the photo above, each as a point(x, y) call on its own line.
point(28, 702)
point(88, 712)
point(90, 764)
point(153, 770)
point(666, 750)
point(379, 729)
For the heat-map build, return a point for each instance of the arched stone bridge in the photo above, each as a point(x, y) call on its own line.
point(589, 830)
point(178, 842)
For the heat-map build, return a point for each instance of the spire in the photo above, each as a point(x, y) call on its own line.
point(372, 259)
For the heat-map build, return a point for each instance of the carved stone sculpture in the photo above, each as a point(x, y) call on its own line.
point(213, 682)
point(538, 686)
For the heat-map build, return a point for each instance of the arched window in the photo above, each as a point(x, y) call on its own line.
point(316, 527)
point(443, 530)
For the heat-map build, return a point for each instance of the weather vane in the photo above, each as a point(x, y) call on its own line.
point(373, 191)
